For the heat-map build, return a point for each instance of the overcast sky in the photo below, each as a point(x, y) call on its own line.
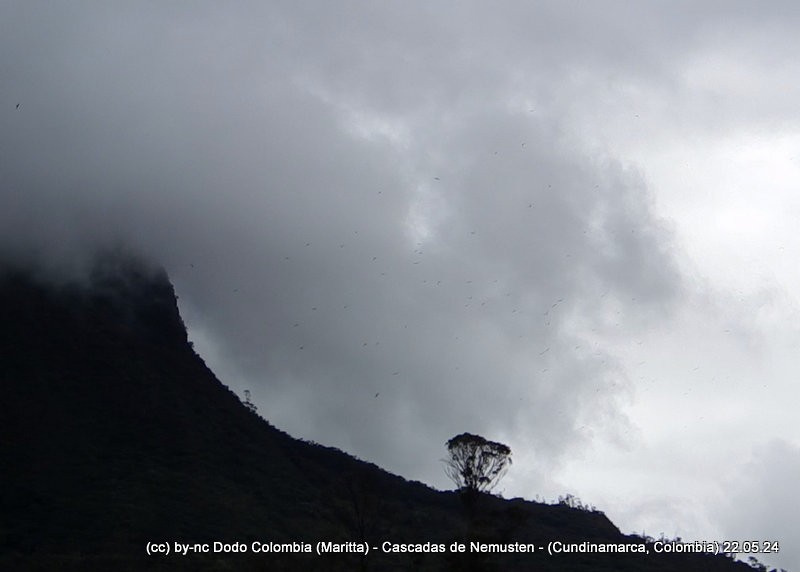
point(569, 227)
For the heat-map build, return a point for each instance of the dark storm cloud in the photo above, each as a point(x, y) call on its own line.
point(351, 200)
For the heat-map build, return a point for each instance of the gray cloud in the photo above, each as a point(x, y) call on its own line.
point(356, 200)
point(758, 506)
point(225, 154)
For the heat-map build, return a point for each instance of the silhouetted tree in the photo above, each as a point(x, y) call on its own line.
point(247, 403)
point(475, 465)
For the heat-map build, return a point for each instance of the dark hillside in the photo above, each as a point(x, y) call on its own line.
point(116, 434)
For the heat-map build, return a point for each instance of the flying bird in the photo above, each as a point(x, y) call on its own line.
point(18, 106)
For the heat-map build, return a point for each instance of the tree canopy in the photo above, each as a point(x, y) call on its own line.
point(476, 464)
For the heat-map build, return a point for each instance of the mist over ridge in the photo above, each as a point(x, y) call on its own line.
point(572, 231)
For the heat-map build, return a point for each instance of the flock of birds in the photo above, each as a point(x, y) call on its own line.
point(491, 293)
point(479, 294)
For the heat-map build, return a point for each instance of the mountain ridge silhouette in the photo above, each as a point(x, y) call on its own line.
point(116, 434)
